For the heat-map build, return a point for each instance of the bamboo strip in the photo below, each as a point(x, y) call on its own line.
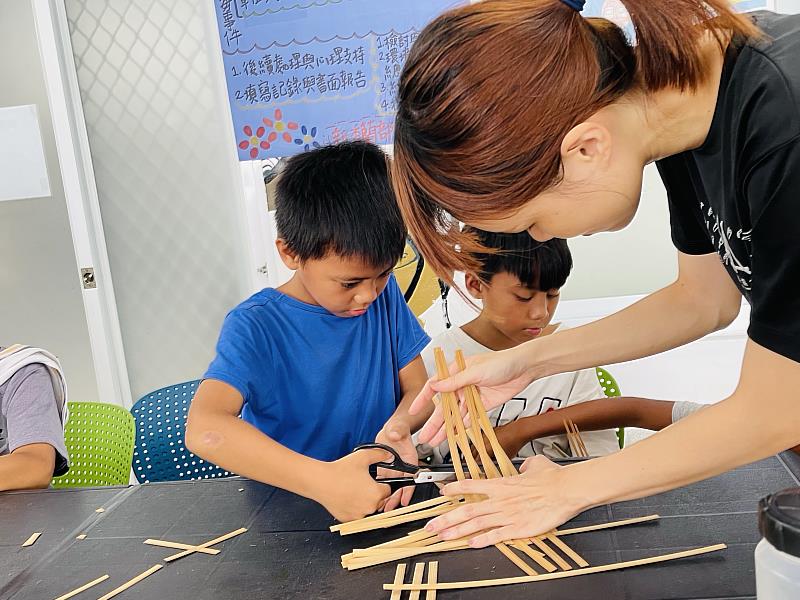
point(83, 588)
point(573, 446)
point(509, 554)
point(507, 468)
point(419, 571)
point(411, 538)
point(399, 578)
point(362, 563)
point(452, 419)
point(179, 546)
point(599, 526)
point(477, 436)
point(396, 512)
point(538, 557)
point(32, 540)
point(407, 518)
point(551, 554)
point(559, 575)
point(213, 542)
point(433, 575)
point(569, 552)
point(580, 441)
point(132, 582)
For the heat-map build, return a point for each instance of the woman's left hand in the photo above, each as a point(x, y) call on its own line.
point(522, 506)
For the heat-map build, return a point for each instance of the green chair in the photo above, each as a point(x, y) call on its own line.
point(100, 440)
point(611, 389)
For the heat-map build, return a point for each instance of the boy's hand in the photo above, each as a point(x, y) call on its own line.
point(398, 435)
point(348, 491)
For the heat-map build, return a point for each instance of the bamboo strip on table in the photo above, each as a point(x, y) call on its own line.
point(391, 522)
point(179, 546)
point(411, 538)
point(32, 540)
point(599, 526)
point(537, 557)
point(551, 554)
point(569, 552)
point(509, 554)
point(399, 578)
point(433, 576)
point(83, 588)
point(371, 561)
point(132, 582)
point(213, 542)
point(459, 585)
point(416, 578)
point(396, 512)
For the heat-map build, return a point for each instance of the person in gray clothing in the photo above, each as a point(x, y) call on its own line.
point(32, 448)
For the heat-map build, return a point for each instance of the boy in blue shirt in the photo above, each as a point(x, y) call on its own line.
point(329, 360)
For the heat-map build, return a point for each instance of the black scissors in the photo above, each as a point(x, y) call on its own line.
point(417, 473)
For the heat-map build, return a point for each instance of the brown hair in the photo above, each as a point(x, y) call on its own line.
point(490, 90)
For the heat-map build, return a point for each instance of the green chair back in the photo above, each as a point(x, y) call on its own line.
point(611, 389)
point(100, 440)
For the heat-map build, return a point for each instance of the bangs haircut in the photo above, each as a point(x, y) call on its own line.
point(339, 200)
point(539, 266)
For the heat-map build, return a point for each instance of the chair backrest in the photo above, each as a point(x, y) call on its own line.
point(611, 389)
point(160, 454)
point(99, 440)
point(608, 383)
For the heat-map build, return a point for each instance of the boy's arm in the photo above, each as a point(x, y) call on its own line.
point(28, 467)
point(398, 429)
point(215, 433)
point(605, 413)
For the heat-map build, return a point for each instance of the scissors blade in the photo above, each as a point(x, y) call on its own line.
point(426, 476)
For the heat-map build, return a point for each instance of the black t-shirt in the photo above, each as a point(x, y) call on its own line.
point(739, 193)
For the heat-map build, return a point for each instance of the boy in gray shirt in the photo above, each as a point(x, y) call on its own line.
point(32, 448)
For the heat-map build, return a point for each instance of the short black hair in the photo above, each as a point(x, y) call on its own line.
point(538, 265)
point(338, 200)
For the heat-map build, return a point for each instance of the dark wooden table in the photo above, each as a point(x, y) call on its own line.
point(288, 551)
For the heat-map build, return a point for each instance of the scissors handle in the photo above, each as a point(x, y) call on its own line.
point(397, 464)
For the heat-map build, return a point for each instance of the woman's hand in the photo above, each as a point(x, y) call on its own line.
point(526, 505)
point(499, 375)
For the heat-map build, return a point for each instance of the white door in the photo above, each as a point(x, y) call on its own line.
point(41, 288)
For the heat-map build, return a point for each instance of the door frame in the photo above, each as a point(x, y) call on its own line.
point(83, 206)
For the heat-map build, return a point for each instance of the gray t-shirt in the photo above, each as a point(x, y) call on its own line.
point(29, 414)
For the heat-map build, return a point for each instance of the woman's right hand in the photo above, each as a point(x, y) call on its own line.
point(499, 375)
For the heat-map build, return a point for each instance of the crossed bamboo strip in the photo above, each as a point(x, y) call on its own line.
point(461, 441)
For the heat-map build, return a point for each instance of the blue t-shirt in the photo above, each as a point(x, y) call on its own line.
point(314, 382)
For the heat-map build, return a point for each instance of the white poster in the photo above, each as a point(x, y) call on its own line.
point(23, 171)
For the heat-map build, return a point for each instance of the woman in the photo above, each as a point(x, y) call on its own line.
point(522, 115)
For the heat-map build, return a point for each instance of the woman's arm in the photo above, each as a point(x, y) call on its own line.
point(760, 418)
point(215, 432)
point(702, 299)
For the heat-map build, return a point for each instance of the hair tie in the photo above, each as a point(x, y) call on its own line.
point(576, 5)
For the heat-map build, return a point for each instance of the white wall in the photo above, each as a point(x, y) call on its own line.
point(637, 260)
point(40, 294)
point(788, 7)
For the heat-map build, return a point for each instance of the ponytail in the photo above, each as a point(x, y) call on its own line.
point(668, 34)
